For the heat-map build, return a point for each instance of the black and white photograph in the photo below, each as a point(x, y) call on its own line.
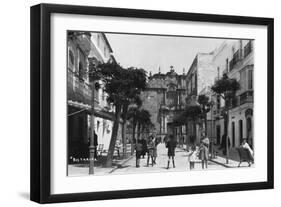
point(140, 103)
point(144, 103)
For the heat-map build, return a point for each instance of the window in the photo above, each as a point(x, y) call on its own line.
point(193, 82)
point(247, 49)
point(80, 71)
point(98, 125)
point(226, 64)
point(218, 102)
point(189, 87)
point(171, 88)
point(243, 82)
point(241, 131)
point(103, 95)
point(98, 40)
point(250, 79)
point(71, 57)
point(104, 51)
point(233, 134)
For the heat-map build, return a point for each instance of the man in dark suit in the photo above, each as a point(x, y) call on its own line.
point(95, 145)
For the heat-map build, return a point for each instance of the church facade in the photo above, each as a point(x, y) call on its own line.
point(165, 98)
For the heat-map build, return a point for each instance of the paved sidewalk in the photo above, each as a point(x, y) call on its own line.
point(222, 161)
point(233, 160)
point(233, 153)
point(83, 168)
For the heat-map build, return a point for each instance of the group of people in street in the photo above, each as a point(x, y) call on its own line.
point(149, 148)
point(196, 153)
point(200, 152)
point(143, 147)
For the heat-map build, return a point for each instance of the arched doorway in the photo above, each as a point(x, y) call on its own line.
point(240, 131)
point(249, 127)
point(249, 131)
point(80, 70)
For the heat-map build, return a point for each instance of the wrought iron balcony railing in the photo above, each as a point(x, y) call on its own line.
point(246, 97)
point(236, 58)
point(248, 49)
point(78, 90)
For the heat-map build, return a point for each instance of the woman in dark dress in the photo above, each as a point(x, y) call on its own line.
point(138, 148)
point(144, 147)
point(171, 145)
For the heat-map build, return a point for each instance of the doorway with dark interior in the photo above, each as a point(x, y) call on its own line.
point(218, 134)
point(233, 134)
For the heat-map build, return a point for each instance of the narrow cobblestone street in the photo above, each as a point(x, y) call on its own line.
point(181, 162)
point(129, 164)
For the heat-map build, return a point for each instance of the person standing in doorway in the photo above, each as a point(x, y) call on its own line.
point(171, 145)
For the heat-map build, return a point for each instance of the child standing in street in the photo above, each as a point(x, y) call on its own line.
point(151, 146)
point(171, 145)
point(192, 157)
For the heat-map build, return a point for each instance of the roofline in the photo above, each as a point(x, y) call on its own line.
point(114, 59)
point(191, 66)
point(107, 42)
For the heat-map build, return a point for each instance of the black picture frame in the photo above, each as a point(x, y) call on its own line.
point(41, 99)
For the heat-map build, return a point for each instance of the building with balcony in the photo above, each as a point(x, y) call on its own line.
point(82, 47)
point(199, 79)
point(236, 59)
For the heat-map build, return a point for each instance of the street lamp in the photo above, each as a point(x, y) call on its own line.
point(211, 104)
point(94, 86)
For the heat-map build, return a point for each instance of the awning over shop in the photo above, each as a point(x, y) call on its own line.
point(79, 105)
point(99, 112)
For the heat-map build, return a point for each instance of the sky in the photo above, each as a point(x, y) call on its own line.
point(151, 52)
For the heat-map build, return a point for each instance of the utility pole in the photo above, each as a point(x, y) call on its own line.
point(227, 150)
point(212, 140)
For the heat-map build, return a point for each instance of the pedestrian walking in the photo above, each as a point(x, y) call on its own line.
point(150, 151)
point(118, 147)
point(157, 141)
point(138, 148)
point(204, 152)
point(192, 157)
point(171, 145)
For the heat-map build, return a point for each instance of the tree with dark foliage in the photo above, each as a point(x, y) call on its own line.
point(122, 86)
point(226, 88)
